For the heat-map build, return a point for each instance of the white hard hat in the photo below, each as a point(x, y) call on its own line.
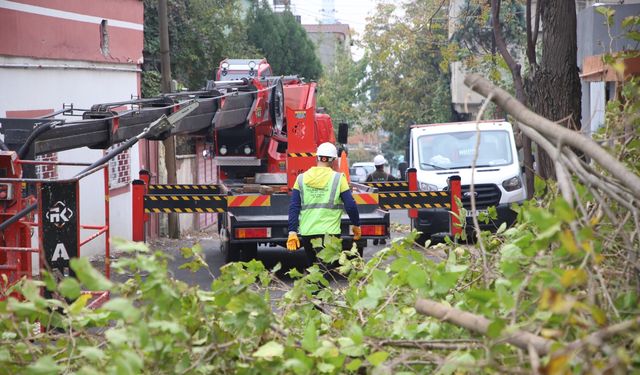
point(379, 160)
point(327, 150)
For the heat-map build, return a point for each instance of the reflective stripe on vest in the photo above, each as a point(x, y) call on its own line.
point(332, 196)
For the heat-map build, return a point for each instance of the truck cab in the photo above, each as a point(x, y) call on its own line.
point(438, 151)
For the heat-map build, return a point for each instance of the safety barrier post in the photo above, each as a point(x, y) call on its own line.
point(455, 191)
point(137, 217)
point(412, 177)
point(145, 176)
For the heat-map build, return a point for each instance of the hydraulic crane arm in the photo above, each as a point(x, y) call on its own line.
point(108, 124)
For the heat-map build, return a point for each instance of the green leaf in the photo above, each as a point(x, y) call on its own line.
point(416, 276)
point(89, 276)
point(117, 336)
point(126, 246)
point(495, 328)
point(310, 340)
point(510, 252)
point(326, 367)
point(92, 353)
point(270, 350)
point(167, 326)
point(539, 186)
point(443, 282)
point(5, 355)
point(502, 228)
point(350, 348)
point(366, 303)
point(49, 280)
point(43, 366)
point(79, 304)
point(377, 358)
point(123, 308)
point(354, 364)
point(69, 288)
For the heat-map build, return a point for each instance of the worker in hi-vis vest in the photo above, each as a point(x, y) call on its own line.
point(319, 195)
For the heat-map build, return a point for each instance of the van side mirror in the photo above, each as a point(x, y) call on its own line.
point(343, 132)
point(402, 167)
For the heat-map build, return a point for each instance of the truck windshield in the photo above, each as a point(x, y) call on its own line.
point(457, 150)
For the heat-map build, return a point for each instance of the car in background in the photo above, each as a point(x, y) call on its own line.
point(360, 170)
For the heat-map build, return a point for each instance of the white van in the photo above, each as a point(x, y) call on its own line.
point(438, 151)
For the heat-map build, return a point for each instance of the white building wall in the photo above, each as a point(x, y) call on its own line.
point(82, 84)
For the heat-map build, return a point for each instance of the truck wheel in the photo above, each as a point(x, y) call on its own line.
point(248, 251)
point(230, 253)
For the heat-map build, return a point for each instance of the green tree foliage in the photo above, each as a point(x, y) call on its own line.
point(201, 34)
point(283, 41)
point(341, 90)
point(408, 82)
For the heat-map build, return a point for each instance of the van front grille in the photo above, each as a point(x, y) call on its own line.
point(487, 195)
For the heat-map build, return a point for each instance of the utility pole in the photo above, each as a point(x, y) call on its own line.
point(169, 143)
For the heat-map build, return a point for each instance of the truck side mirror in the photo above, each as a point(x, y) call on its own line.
point(343, 132)
point(402, 167)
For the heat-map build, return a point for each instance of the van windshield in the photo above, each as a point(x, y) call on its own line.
point(457, 150)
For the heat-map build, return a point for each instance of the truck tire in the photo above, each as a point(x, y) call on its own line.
point(248, 251)
point(238, 252)
point(230, 254)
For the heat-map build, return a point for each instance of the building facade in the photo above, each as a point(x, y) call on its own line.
point(55, 52)
point(329, 40)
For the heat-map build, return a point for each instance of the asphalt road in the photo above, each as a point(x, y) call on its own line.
point(270, 256)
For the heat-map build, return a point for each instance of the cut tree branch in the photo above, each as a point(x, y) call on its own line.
point(554, 131)
point(480, 324)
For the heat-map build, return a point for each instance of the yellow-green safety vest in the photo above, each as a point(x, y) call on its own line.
point(321, 210)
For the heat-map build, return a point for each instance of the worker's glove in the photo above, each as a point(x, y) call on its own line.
point(293, 243)
point(357, 233)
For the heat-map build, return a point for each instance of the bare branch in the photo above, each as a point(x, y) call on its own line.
point(480, 324)
point(554, 131)
point(504, 51)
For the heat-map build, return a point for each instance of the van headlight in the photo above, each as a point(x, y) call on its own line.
point(428, 187)
point(511, 184)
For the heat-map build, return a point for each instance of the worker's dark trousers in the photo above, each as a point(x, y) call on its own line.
point(309, 249)
point(312, 251)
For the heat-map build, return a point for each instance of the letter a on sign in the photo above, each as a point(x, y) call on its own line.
point(60, 252)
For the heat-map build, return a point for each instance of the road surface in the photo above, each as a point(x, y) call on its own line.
point(269, 256)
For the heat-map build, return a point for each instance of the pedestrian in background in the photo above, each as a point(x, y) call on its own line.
point(379, 175)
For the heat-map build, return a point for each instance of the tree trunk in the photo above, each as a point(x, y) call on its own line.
point(553, 90)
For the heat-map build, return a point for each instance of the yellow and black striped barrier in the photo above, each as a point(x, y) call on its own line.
point(185, 203)
point(418, 199)
point(301, 154)
point(389, 185)
point(184, 189)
